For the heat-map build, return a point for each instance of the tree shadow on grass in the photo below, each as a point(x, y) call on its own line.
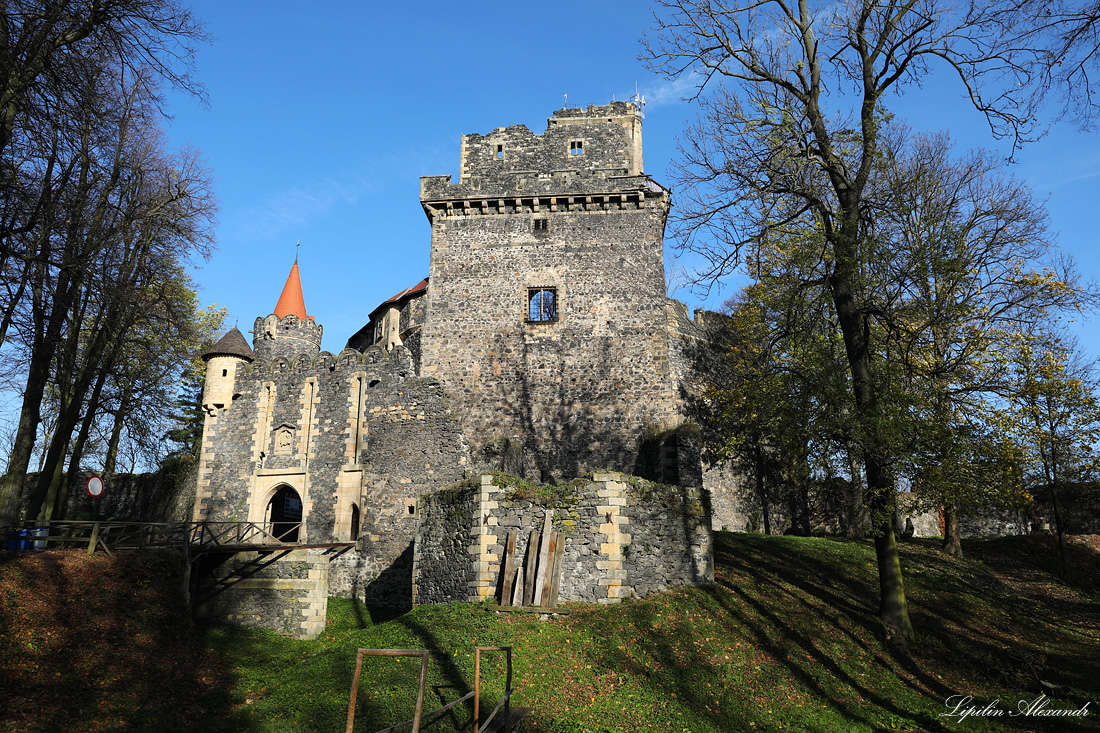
point(110, 647)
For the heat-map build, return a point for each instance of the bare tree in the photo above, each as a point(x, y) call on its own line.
point(790, 136)
point(41, 42)
point(130, 214)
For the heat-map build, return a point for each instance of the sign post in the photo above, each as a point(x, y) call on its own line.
point(95, 490)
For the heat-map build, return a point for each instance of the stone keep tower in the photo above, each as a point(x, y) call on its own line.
point(546, 308)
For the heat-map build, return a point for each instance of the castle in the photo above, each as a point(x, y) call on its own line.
point(542, 341)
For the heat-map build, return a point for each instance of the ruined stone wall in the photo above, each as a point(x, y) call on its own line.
point(129, 497)
point(414, 446)
point(604, 139)
point(577, 391)
point(993, 523)
point(447, 525)
point(623, 537)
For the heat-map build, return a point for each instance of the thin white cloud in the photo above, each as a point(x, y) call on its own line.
point(1074, 179)
point(673, 91)
point(293, 209)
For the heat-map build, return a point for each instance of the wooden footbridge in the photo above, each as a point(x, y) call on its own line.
point(189, 538)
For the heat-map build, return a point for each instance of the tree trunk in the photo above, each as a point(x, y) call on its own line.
point(57, 508)
point(951, 541)
point(43, 513)
point(856, 500)
point(93, 367)
point(893, 608)
point(761, 490)
point(1063, 551)
point(49, 317)
point(116, 437)
point(38, 374)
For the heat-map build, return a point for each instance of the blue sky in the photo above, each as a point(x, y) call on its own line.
point(321, 123)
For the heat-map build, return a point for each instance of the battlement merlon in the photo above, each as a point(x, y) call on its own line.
point(596, 142)
point(287, 337)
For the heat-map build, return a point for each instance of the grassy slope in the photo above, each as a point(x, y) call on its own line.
point(101, 644)
point(784, 640)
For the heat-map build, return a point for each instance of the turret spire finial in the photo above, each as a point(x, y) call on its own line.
point(291, 300)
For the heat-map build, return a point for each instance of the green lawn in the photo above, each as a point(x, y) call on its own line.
point(786, 639)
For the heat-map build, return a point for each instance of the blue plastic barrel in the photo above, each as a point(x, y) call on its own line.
point(12, 541)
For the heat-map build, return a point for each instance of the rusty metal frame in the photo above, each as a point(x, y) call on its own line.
point(506, 701)
point(418, 715)
point(423, 654)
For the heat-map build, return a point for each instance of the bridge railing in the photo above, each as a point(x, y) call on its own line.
point(213, 534)
point(110, 536)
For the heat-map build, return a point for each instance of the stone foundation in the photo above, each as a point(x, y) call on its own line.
point(286, 592)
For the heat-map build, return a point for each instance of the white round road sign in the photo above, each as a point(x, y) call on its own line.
point(95, 486)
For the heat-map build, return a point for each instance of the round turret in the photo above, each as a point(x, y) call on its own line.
point(287, 336)
point(223, 360)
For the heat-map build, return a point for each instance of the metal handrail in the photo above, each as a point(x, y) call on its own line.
point(139, 535)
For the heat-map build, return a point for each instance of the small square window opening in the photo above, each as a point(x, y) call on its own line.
point(542, 305)
point(500, 152)
point(541, 225)
point(576, 147)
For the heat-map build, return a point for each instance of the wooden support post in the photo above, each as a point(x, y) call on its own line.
point(529, 571)
point(559, 554)
point(548, 572)
point(94, 539)
point(517, 594)
point(544, 550)
point(506, 572)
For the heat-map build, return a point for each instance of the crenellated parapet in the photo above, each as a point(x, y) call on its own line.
point(286, 337)
point(303, 365)
point(587, 160)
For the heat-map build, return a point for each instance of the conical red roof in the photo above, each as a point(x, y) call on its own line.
point(291, 300)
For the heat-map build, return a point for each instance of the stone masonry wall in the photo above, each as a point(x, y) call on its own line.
point(350, 431)
point(446, 527)
point(514, 157)
point(577, 391)
point(284, 592)
point(623, 537)
point(414, 446)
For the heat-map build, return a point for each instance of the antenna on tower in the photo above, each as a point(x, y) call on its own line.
point(638, 101)
point(296, 250)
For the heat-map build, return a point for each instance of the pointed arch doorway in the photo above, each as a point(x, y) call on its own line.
point(284, 514)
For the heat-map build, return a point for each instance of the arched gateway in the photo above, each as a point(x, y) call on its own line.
point(283, 515)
